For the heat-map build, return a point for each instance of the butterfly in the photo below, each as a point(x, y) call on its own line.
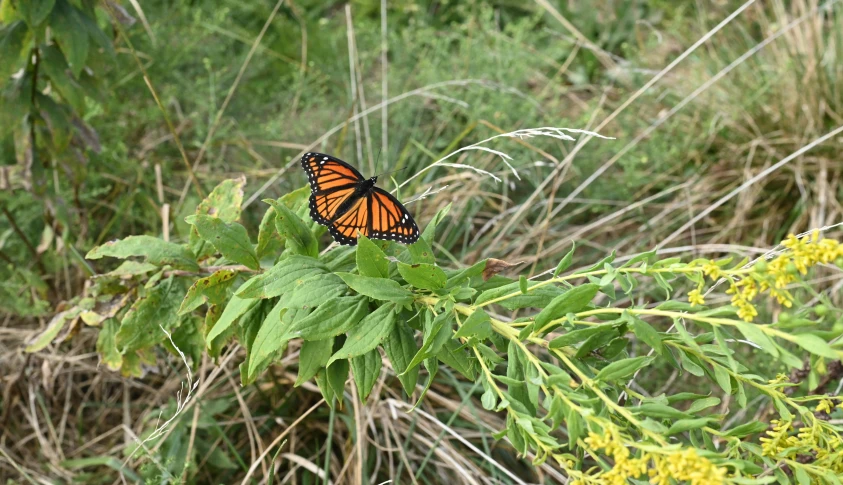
point(342, 199)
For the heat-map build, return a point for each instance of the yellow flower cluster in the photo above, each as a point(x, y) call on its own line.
point(772, 276)
point(825, 444)
point(680, 466)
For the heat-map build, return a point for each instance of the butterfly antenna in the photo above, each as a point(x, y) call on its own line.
point(392, 171)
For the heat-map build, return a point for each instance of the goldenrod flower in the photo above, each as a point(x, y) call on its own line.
point(695, 297)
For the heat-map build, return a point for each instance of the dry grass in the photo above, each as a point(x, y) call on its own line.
point(60, 407)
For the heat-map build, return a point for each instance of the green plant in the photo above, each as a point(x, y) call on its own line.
point(559, 367)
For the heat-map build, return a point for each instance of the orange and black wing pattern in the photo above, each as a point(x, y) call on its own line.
point(339, 200)
point(332, 182)
point(389, 219)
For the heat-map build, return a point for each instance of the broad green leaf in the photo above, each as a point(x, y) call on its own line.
point(12, 37)
point(423, 276)
point(478, 325)
point(98, 36)
point(225, 201)
point(577, 336)
point(436, 333)
point(703, 403)
point(367, 334)
point(522, 284)
point(314, 291)
point(298, 235)
point(623, 368)
point(268, 238)
point(235, 308)
point(565, 263)
point(281, 278)
point(337, 375)
point(366, 369)
point(817, 346)
point(271, 336)
point(682, 425)
point(322, 381)
point(371, 260)
point(314, 355)
point(36, 11)
point(142, 324)
point(430, 230)
point(576, 428)
point(400, 347)
point(572, 301)
point(66, 23)
point(231, 240)
point(210, 289)
point(107, 344)
point(156, 251)
point(454, 356)
point(132, 268)
point(465, 274)
point(421, 253)
point(377, 288)
point(516, 374)
point(330, 319)
point(58, 118)
point(690, 366)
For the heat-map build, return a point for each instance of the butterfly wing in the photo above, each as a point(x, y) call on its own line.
point(389, 219)
point(356, 219)
point(332, 182)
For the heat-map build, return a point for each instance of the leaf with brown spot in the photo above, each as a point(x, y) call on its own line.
point(495, 266)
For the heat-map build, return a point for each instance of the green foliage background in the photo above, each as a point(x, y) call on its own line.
point(124, 133)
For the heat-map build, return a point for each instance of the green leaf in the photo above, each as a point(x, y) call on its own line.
point(423, 276)
point(268, 238)
point(107, 344)
point(141, 326)
point(723, 379)
point(576, 336)
point(314, 355)
point(368, 334)
point(400, 347)
point(572, 301)
point(36, 11)
point(53, 328)
point(430, 230)
point(235, 308)
point(231, 240)
point(453, 355)
point(465, 274)
point(646, 333)
point(299, 237)
point(704, 403)
point(682, 425)
point(622, 368)
point(478, 325)
point(436, 333)
point(377, 288)
point(66, 23)
point(58, 118)
point(12, 37)
point(331, 318)
point(314, 290)
point(758, 337)
point(747, 429)
point(366, 369)
point(536, 298)
point(656, 410)
point(213, 289)
point(225, 201)
point(421, 253)
point(337, 375)
point(156, 251)
point(371, 260)
point(690, 366)
point(817, 346)
point(54, 65)
point(281, 278)
point(565, 263)
point(271, 336)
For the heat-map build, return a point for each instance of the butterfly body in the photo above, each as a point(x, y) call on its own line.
point(349, 204)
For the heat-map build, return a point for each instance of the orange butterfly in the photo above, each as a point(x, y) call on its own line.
point(343, 200)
